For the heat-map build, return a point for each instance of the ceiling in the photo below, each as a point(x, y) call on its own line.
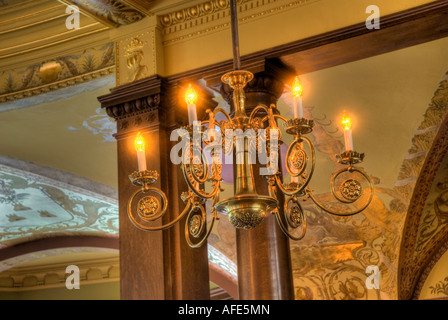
point(58, 163)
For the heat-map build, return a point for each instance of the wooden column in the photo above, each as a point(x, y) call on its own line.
point(153, 264)
point(263, 253)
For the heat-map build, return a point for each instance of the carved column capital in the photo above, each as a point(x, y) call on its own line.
point(153, 102)
point(135, 107)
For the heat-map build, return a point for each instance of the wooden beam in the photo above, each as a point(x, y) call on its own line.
point(397, 31)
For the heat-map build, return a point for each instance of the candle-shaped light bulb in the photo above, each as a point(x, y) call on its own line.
point(297, 91)
point(211, 127)
point(191, 98)
point(140, 148)
point(347, 127)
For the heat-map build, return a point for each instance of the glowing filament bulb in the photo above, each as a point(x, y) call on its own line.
point(297, 98)
point(190, 95)
point(140, 147)
point(346, 122)
point(191, 98)
point(297, 88)
point(347, 126)
point(139, 143)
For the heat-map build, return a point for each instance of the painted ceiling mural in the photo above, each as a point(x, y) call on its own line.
point(33, 206)
point(330, 262)
point(432, 221)
point(436, 284)
point(435, 212)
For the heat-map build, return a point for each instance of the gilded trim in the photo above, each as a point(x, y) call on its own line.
point(100, 270)
point(205, 14)
point(57, 85)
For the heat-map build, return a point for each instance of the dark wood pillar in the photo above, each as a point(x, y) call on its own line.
point(263, 253)
point(153, 264)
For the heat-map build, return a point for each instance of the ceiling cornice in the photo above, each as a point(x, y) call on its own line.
point(53, 275)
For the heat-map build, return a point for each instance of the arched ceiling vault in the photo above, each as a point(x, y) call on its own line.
point(425, 234)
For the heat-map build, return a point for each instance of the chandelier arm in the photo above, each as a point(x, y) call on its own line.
point(300, 189)
point(278, 116)
point(207, 143)
point(194, 181)
point(285, 228)
point(275, 116)
point(258, 108)
point(197, 231)
point(198, 192)
point(273, 193)
point(217, 110)
point(336, 174)
point(158, 228)
point(288, 156)
point(328, 210)
point(193, 166)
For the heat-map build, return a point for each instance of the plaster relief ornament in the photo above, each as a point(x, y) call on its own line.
point(49, 71)
point(134, 54)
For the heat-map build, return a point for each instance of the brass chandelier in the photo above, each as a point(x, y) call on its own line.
point(246, 209)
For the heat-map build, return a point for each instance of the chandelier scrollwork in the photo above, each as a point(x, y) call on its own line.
point(350, 186)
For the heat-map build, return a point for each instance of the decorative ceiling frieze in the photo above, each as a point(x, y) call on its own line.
point(54, 275)
point(57, 73)
point(211, 16)
point(40, 54)
point(199, 10)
